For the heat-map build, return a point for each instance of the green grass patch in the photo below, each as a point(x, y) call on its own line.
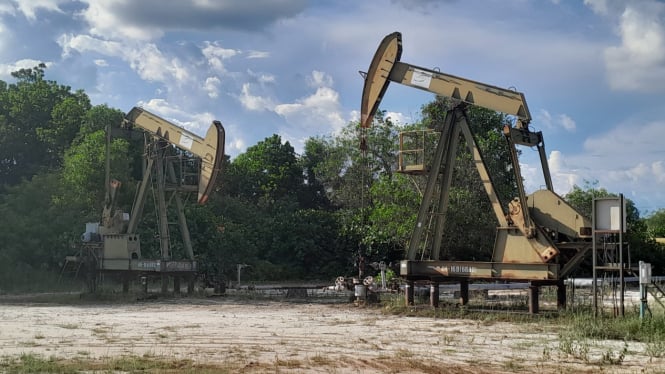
point(30, 363)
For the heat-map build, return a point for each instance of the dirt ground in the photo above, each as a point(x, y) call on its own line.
point(299, 337)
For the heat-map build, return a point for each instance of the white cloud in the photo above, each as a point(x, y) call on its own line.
point(258, 54)
point(658, 170)
point(638, 63)
point(564, 174)
point(628, 140)
point(544, 119)
point(566, 122)
point(255, 103)
point(235, 142)
point(319, 79)
point(627, 159)
point(215, 54)
point(6, 35)
point(6, 8)
point(598, 6)
point(84, 43)
point(320, 110)
point(262, 78)
point(211, 86)
point(146, 59)
point(30, 7)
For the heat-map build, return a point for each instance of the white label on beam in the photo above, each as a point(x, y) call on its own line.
point(186, 141)
point(421, 78)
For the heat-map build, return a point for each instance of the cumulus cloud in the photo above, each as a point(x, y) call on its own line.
point(29, 8)
point(545, 119)
point(321, 110)
point(638, 62)
point(216, 54)
point(146, 59)
point(211, 86)
point(6, 8)
point(320, 107)
point(262, 78)
point(317, 113)
point(626, 159)
point(258, 54)
point(253, 102)
point(566, 122)
point(319, 79)
point(564, 175)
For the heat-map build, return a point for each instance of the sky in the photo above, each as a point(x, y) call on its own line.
point(592, 71)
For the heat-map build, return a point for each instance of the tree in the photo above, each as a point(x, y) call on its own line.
point(656, 223)
point(84, 162)
point(38, 120)
point(267, 171)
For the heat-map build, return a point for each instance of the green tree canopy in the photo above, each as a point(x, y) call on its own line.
point(38, 120)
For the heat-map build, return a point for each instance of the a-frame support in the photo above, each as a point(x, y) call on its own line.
point(443, 164)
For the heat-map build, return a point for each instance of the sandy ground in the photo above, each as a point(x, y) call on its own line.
point(298, 337)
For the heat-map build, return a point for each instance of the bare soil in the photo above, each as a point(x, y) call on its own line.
point(300, 337)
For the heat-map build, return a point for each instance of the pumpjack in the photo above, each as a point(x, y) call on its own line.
point(113, 245)
point(540, 238)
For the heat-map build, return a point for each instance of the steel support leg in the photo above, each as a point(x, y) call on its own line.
point(125, 284)
point(190, 284)
point(408, 293)
point(533, 299)
point(434, 295)
point(561, 295)
point(176, 285)
point(165, 283)
point(464, 292)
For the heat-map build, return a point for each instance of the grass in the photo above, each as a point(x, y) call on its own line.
point(30, 363)
point(582, 321)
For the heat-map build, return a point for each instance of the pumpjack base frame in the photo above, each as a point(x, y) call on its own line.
point(442, 270)
point(433, 271)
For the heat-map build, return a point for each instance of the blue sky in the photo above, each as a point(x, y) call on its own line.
point(592, 71)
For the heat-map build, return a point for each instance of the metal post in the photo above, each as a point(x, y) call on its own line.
point(125, 284)
point(622, 284)
point(164, 241)
point(594, 286)
point(645, 279)
point(434, 294)
point(144, 284)
point(533, 299)
point(408, 293)
point(190, 284)
point(464, 292)
point(176, 285)
point(561, 295)
point(165, 283)
point(239, 268)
